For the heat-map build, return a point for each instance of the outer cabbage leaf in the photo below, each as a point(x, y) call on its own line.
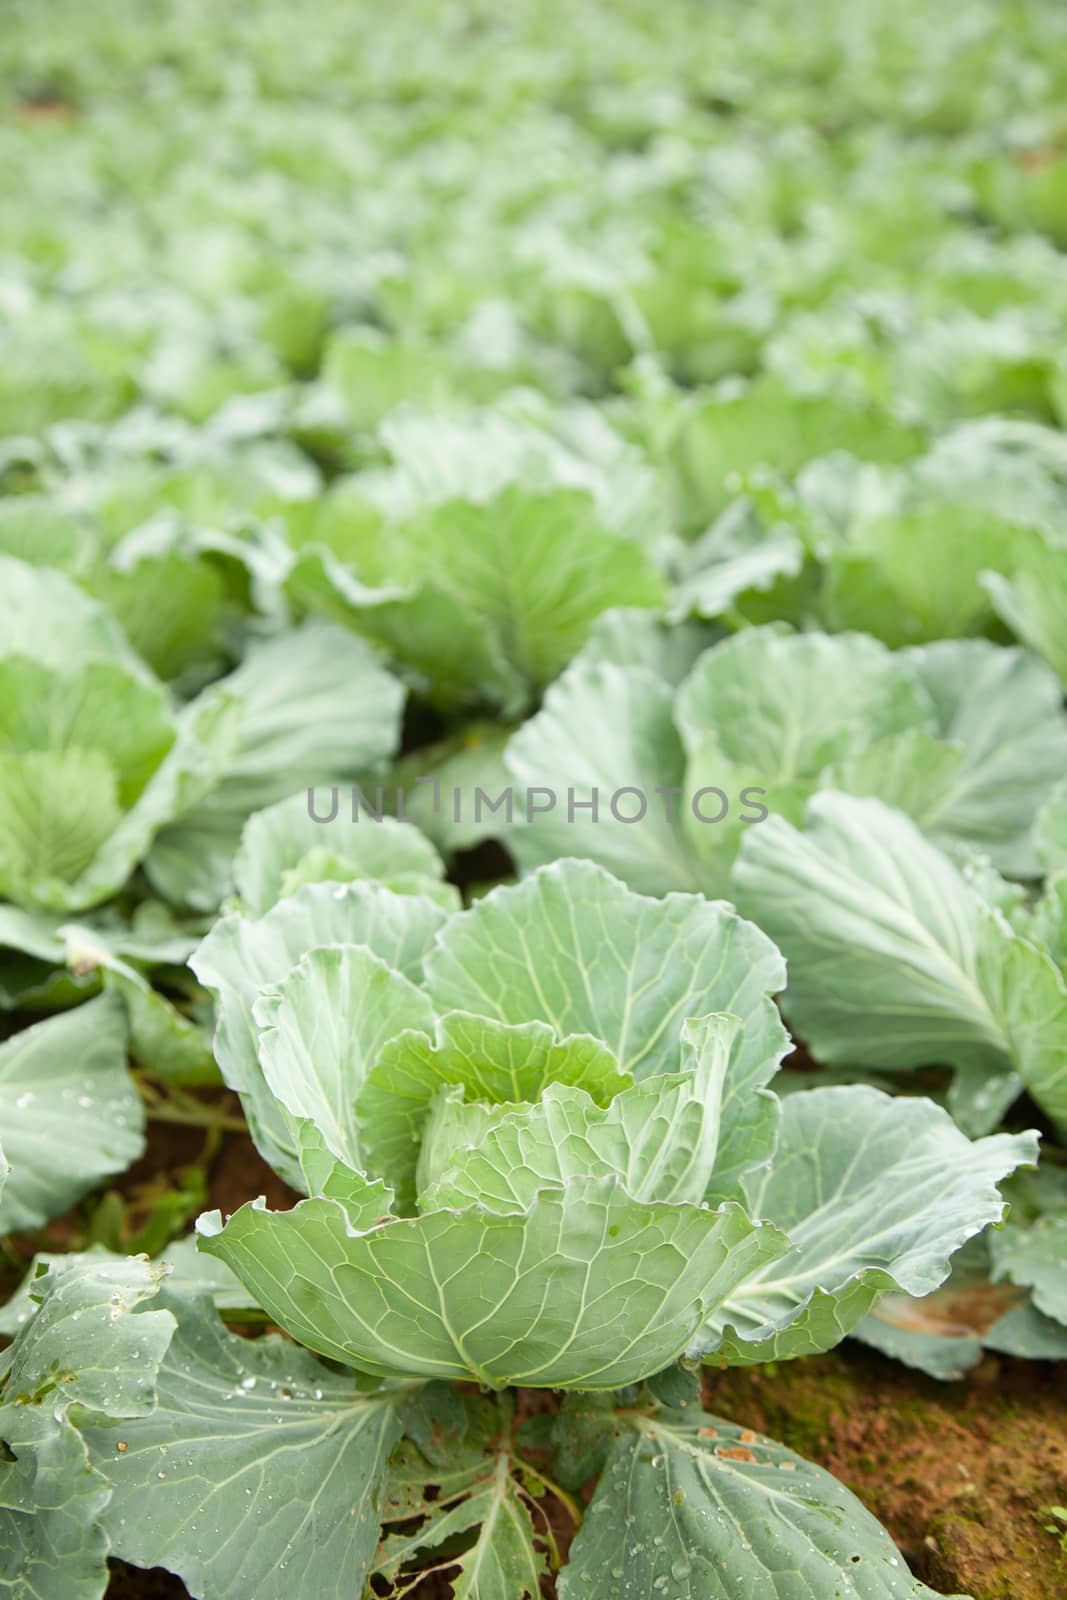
point(93, 762)
point(97, 706)
point(875, 1194)
point(896, 962)
point(171, 606)
point(50, 1504)
point(1035, 1257)
point(525, 443)
point(490, 1499)
point(188, 1273)
point(256, 1469)
point(981, 1305)
point(629, 638)
point(912, 576)
point(587, 1289)
point(604, 728)
point(282, 843)
point(725, 436)
point(770, 709)
point(241, 957)
point(736, 557)
point(1033, 600)
point(453, 658)
point(786, 704)
point(91, 1343)
point(45, 616)
point(523, 576)
point(966, 736)
point(322, 1029)
point(1004, 711)
point(311, 707)
point(462, 763)
point(64, 1088)
point(694, 1506)
point(40, 532)
point(1050, 830)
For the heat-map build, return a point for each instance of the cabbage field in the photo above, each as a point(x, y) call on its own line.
point(533, 800)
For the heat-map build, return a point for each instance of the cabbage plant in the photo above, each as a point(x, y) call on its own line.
point(903, 795)
point(103, 770)
point(539, 1151)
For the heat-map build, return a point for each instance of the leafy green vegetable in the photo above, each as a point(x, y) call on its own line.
point(310, 707)
point(684, 1499)
point(269, 1441)
point(64, 1087)
point(287, 845)
point(93, 759)
point(517, 582)
point(878, 925)
point(557, 1223)
point(465, 503)
point(968, 738)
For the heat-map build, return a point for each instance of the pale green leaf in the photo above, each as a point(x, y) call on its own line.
point(323, 1027)
point(493, 1062)
point(540, 568)
point(626, 637)
point(258, 1472)
point(874, 1194)
point(171, 608)
point(573, 947)
point(46, 616)
point(50, 1505)
point(64, 1087)
point(1035, 1257)
point(1004, 710)
point(697, 1508)
point(913, 576)
point(163, 1040)
point(761, 715)
point(57, 808)
point(90, 1343)
point(312, 706)
point(786, 704)
point(522, 577)
point(465, 1496)
point(733, 558)
point(659, 1138)
point(766, 425)
point(99, 706)
point(243, 956)
point(454, 658)
point(503, 1563)
point(894, 961)
point(1050, 829)
point(604, 751)
point(1033, 600)
point(588, 1289)
point(277, 841)
point(188, 1272)
point(460, 765)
